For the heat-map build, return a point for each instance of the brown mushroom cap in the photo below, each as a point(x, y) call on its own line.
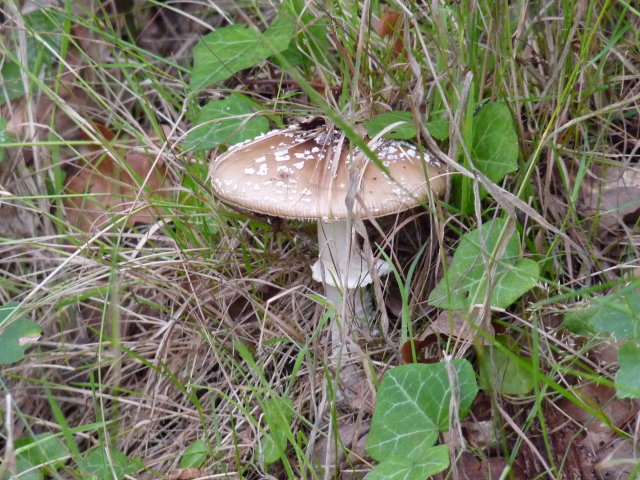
point(305, 174)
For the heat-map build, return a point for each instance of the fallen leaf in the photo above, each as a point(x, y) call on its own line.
point(427, 350)
point(109, 189)
point(348, 450)
point(392, 25)
point(479, 433)
point(470, 467)
point(452, 323)
point(613, 196)
point(187, 473)
point(594, 448)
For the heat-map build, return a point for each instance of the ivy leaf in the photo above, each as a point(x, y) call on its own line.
point(227, 50)
point(112, 467)
point(495, 141)
point(432, 461)
point(618, 315)
point(615, 314)
point(4, 137)
point(513, 378)
point(405, 131)
point(195, 455)
point(16, 337)
point(278, 413)
point(438, 128)
point(412, 408)
point(225, 121)
point(46, 22)
point(628, 377)
point(310, 44)
point(44, 448)
point(465, 281)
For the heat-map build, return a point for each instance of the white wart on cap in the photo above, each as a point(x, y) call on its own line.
point(304, 174)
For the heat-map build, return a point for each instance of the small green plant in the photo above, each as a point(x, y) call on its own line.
point(278, 413)
point(405, 128)
point(493, 149)
point(225, 121)
point(111, 465)
point(195, 455)
point(495, 141)
point(17, 336)
point(618, 315)
point(465, 282)
point(47, 25)
point(43, 454)
point(4, 136)
point(506, 372)
point(412, 408)
point(222, 53)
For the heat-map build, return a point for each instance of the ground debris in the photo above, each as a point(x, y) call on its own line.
point(612, 195)
point(113, 188)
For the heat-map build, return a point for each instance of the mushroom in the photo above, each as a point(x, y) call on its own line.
point(309, 172)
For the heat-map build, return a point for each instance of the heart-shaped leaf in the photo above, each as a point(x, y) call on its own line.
point(433, 461)
point(227, 50)
point(227, 121)
point(16, 337)
point(412, 408)
point(405, 131)
point(465, 282)
point(495, 141)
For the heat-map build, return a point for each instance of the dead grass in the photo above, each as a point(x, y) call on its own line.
point(157, 336)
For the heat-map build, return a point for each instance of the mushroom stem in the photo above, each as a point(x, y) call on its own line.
point(338, 250)
point(344, 273)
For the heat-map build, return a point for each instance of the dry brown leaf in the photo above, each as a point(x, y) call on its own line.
point(594, 449)
point(613, 195)
point(392, 24)
point(112, 190)
point(470, 467)
point(353, 437)
point(187, 474)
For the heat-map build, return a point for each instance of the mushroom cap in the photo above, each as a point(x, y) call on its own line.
point(306, 174)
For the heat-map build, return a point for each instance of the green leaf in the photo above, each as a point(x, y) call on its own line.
point(310, 45)
point(510, 376)
point(225, 121)
point(580, 321)
point(279, 34)
point(16, 337)
point(272, 448)
point(412, 407)
point(495, 141)
point(47, 23)
point(278, 413)
point(23, 465)
point(465, 282)
point(195, 455)
point(12, 86)
point(433, 460)
point(405, 131)
point(222, 53)
point(44, 448)
point(98, 464)
point(4, 137)
point(617, 314)
point(438, 128)
point(628, 377)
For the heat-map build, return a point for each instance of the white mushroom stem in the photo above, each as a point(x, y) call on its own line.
point(344, 273)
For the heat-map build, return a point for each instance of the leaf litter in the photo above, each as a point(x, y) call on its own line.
point(105, 188)
point(181, 344)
